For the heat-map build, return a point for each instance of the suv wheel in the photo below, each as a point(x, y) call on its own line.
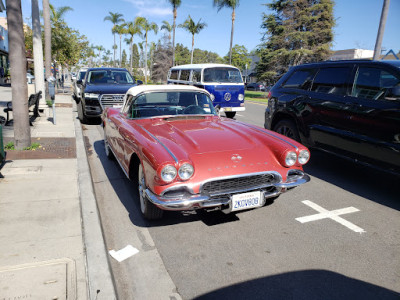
point(287, 128)
point(81, 113)
point(230, 114)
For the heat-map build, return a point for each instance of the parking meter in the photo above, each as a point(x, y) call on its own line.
point(52, 91)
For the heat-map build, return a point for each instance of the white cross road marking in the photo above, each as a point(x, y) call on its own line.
point(334, 215)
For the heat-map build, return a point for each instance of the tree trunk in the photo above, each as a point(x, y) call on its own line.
point(191, 58)
point(47, 43)
point(120, 49)
point(16, 41)
point(145, 62)
point(233, 26)
point(114, 51)
point(173, 37)
point(38, 52)
point(130, 63)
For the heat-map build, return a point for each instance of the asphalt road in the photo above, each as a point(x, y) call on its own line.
point(337, 237)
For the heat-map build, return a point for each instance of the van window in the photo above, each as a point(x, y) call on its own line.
point(375, 83)
point(331, 81)
point(196, 76)
point(174, 74)
point(300, 79)
point(185, 75)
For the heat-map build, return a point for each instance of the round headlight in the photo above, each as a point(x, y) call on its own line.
point(212, 97)
point(290, 158)
point(168, 173)
point(304, 156)
point(241, 97)
point(185, 171)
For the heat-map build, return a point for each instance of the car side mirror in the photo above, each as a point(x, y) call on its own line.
point(139, 82)
point(79, 81)
point(396, 91)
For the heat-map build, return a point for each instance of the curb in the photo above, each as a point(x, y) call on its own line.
point(99, 277)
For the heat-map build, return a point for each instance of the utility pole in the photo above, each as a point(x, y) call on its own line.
point(47, 43)
point(381, 30)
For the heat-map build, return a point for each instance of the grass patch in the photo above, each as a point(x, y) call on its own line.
point(256, 96)
point(33, 147)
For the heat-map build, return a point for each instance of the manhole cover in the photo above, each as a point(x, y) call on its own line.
point(55, 279)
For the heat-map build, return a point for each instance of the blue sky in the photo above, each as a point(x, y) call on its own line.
point(357, 22)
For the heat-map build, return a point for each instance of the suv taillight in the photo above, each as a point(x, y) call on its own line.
point(269, 95)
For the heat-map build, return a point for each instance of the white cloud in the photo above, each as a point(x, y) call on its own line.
point(151, 8)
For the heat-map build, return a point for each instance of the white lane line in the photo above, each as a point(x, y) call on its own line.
point(124, 253)
point(334, 215)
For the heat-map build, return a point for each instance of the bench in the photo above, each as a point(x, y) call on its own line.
point(33, 102)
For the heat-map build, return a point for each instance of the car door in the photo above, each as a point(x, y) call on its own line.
point(376, 114)
point(330, 110)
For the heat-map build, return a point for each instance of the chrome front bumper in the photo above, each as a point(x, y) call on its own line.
point(199, 201)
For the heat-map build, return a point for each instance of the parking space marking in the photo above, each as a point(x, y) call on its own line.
point(334, 215)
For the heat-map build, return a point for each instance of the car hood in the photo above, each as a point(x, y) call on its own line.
point(214, 142)
point(108, 88)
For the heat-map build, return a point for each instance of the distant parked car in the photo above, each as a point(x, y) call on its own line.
point(101, 88)
point(255, 86)
point(347, 108)
point(76, 87)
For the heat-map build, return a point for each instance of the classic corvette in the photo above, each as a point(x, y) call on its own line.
point(182, 155)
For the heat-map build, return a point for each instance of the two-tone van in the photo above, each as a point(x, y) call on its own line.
point(223, 82)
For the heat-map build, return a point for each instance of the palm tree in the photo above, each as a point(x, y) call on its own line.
point(120, 29)
point(175, 4)
point(193, 28)
point(167, 27)
point(133, 28)
point(114, 18)
point(17, 56)
point(100, 49)
point(56, 15)
point(146, 26)
point(230, 4)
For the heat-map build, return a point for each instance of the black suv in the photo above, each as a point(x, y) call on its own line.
point(348, 108)
point(102, 87)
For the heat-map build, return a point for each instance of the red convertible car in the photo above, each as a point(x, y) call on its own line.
point(182, 155)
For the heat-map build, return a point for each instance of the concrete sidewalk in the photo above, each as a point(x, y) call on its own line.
point(51, 242)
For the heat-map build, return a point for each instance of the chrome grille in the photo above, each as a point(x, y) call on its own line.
point(109, 100)
point(239, 184)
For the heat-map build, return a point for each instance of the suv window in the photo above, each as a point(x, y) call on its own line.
point(331, 81)
point(174, 74)
point(374, 83)
point(185, 74)
point(300, 79)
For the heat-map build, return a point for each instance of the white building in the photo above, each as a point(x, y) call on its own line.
point(352, 54)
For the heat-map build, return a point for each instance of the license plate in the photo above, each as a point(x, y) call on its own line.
point(246, 201)
point(228, 109)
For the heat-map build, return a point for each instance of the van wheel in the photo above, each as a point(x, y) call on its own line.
point(287, 128)
point(230, 114)
point(149, 210)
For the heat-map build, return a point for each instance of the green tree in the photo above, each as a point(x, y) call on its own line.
point(193, 28)
point(124, 59)
point(132, 29)
point(135, 56)
point(167, 27)
point(175, 4)
point(240, 57)
point(57, 14)
point(297, 32)
point(115, 19)
point(229, 4)
point(120, 29)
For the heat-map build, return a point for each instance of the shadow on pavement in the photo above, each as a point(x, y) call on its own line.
point(366, 182)
point(308, 284)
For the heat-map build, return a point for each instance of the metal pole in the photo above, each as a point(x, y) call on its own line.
point(381, 30)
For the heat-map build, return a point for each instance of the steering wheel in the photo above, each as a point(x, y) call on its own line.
point(193, 110)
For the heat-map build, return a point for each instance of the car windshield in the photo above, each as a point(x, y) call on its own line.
point(222, 75)
point(171, 103)
point(110, 77)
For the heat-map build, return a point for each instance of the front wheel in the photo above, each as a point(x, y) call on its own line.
point(81, 114)
point(107, 149)
point(230, 114)
point(149, 210)
point(287, 128)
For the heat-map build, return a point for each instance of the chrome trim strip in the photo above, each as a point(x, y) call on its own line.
point(165, 147)
point(269, 133)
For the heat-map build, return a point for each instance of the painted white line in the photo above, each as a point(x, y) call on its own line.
point(239, 115)
point(124, 253)
point(334, 215)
